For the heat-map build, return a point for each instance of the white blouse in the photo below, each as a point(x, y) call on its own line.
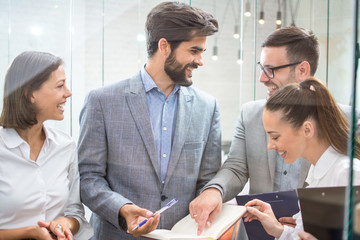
point(331, 170)
point(43, 190)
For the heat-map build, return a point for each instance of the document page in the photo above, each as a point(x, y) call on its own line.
point(186, 228)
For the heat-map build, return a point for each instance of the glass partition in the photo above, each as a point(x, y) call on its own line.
point(103, 41)
point(36, 25)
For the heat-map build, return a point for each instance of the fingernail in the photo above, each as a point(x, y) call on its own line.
point(208, 223)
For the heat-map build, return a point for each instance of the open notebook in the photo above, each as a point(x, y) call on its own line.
point(186, 228)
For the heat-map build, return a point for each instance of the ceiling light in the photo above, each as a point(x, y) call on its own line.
point(247, 9)
point(215, 53)
point(278, 18)
point(236, 32)
point(261, 18)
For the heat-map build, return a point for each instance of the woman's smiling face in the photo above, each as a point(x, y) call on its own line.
point(283, 137)
point(51, 97)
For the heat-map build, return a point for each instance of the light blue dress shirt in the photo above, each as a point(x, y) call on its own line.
point(286, 175)
point(163, 111)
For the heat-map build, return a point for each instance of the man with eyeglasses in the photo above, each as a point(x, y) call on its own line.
point(289, 55)
point(268, 71)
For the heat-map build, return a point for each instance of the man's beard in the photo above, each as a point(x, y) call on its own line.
point(176, 72)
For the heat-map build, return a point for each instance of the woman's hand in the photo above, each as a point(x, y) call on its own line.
point(41, 233)
point(29, 232)
point(60, 228)
point(262, 211)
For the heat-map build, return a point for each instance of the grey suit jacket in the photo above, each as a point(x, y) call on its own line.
point(118, 163)
point(249, 157)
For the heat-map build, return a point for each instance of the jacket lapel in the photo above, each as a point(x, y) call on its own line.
point(136, 100)
point(183, 120)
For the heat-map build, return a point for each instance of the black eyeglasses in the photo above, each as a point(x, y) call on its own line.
point(269, 71)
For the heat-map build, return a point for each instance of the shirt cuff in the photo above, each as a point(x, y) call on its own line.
point(218, 187)
point(286, 234)
point(122, 223)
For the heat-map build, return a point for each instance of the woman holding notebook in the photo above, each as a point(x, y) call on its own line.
point(303, 120)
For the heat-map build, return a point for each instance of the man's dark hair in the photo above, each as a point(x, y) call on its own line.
point(301, 45)
point(26, 74)
point(177, 22)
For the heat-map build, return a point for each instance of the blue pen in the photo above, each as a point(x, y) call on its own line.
point(167, 206)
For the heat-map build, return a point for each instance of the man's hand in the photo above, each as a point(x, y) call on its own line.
point(135, 215)
point(289, 221)
point(206, 207)
point(262, 211)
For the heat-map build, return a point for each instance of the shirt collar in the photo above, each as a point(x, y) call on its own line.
point(12, 139)
point(325, 163)
point(149, 83)
point(50, 136)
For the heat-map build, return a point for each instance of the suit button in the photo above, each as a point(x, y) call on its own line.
point(163, 197)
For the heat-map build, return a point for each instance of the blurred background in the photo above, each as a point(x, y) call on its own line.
point(103, 41)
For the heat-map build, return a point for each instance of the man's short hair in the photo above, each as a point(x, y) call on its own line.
point(301, 45)
point(177, 22)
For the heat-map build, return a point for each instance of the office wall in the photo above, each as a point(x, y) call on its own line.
point(102, 41)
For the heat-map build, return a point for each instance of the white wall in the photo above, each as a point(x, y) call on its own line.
point(97, 40)
point(103, 47)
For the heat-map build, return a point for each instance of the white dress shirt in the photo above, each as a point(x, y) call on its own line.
point(43, 190)
point(331, 170)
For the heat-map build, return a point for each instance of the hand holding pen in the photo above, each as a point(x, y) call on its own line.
point(133, 214)
point(167, 206)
